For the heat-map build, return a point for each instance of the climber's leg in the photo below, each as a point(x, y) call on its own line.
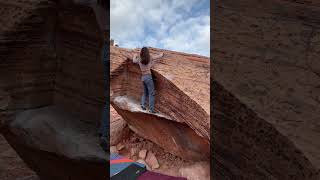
point(151, 91)
point(144, 95)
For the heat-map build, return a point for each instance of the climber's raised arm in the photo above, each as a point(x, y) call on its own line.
point(156, 58)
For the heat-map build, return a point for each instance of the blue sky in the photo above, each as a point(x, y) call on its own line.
point(179, 25)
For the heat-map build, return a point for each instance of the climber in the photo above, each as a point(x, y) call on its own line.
point(145, 62)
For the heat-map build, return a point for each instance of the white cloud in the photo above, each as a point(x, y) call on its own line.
point(160, 23)
point(192, 36)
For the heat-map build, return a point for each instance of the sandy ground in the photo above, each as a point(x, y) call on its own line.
point(169, 164)
point(11, 165)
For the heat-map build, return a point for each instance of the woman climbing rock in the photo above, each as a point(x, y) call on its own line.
point(145, 62)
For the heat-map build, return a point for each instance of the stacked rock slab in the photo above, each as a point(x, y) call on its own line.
point(119, 129)
point(266, 106)
point(51, 87)
point(181, 125)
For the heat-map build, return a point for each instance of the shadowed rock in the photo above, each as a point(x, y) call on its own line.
point(51, 81)
point(50, 136)
point(266, 90)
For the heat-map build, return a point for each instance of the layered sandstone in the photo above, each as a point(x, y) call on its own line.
point(119, 129)
point(182, 124)
point(266, 106)
point(51, 101)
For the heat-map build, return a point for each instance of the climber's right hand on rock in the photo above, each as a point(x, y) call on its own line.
point(135, 58)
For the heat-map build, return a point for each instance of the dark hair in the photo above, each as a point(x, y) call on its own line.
point(145, 56)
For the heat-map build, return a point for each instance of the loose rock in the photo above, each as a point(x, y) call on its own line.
point(152, 161)
point(143, 154)
point(133, 151)
point(134, 158)
point(113, 149)
point(120, 146)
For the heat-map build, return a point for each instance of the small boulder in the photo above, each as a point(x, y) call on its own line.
point(143, 154)
point(113, 150)
point(120, 146)
point(134, 158)
point(133, 151)
point(152, 161)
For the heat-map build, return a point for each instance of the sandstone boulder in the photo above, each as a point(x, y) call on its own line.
point(51, 107)
point(11, 165)
point(119, 129)
point(50, 136)
point(181, 124)
point(143, 154)
point(265, 87)
point(120, 146)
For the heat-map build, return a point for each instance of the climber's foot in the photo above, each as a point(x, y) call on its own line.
point(104, 143)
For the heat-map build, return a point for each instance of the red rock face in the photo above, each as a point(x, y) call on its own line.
point(118, 127)
point(176, 138)
point(182, 97)
point(266, 56)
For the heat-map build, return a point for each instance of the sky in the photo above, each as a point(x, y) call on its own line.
point(178, 25)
